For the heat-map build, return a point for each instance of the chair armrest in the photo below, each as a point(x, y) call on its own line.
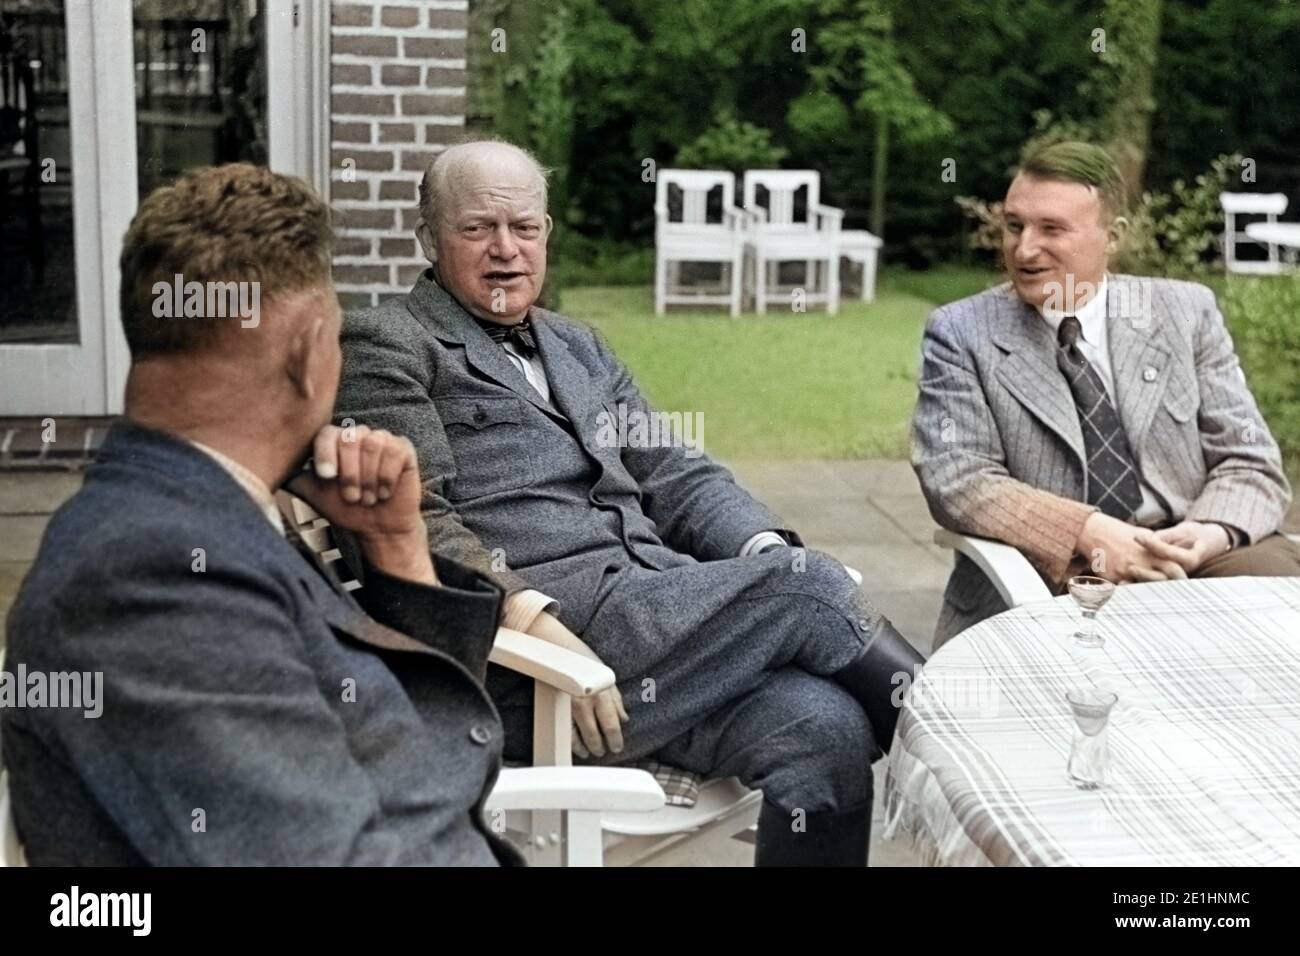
point(741, 217)
point(757, 214)
point(1008, 570)
point(575, 788)
point(561, 669)
point(832, 215)
point(661, 211)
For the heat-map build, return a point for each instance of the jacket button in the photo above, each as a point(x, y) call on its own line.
point(480, 734)
point(480, 416)
point(1149, 374)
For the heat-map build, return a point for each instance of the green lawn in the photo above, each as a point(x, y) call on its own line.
point(782, 385)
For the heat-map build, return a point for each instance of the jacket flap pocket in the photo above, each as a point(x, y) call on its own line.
point(481, 412)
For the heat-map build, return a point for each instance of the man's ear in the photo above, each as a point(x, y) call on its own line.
point(1115, 233)
point(306, 352)
point(550, 224)
point(424, 234)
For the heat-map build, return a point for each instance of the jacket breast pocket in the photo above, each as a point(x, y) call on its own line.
point(490, 445)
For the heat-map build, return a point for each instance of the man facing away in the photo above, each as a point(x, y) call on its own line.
point(252, 712)
point(737, 652)
point(1099, 423)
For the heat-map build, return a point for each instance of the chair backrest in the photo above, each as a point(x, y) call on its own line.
point(684, 196)
point(1268, 205)
point(1260, 204)
point(777, 191)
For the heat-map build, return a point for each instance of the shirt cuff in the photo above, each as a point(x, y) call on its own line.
point(522, 607)
point(764, 539)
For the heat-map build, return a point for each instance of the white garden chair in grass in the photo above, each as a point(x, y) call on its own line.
point(785, 228)
point(1268, 205)
point(697, 221)
point(1006, 568)
point(630, 835)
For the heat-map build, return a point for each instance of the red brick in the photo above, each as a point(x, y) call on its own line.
point(357, 189)
point(365, 45)
point(352, 246)
point(443, 134)
point(355, 301)
point(430, 48)
point(350, 74)
point(352, 15)
point(396, 133)
point(400, 75)
point(445, 76)
point(399, 16)
point(351, 132)
point(399, 189)
point(417, 160)
point(397, 248)
point(432, 104)
point(362, 104)
point(406, 275)
point(373, 160)
point(365, 219)
point(448, 20)
point(361, 275)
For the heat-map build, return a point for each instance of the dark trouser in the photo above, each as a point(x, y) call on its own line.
point(725, 670)
point(1275, 556)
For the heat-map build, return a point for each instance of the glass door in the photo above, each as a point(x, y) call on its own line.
point(103, 102)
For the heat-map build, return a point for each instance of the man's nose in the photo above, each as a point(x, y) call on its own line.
point(1027, 245)
point(503, 245)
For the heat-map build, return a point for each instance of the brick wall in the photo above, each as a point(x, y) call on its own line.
point(397, 97)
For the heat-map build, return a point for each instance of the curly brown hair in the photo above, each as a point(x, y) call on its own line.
point(219, 224)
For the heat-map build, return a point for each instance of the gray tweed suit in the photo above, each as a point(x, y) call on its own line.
point(721, 660)
point(999, 451)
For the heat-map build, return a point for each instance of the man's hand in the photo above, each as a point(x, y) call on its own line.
point(1116, 551)
point(369, 483)
point(598, 720)
point(1198, 541)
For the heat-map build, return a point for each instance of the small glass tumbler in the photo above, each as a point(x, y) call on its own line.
point(1089, 754)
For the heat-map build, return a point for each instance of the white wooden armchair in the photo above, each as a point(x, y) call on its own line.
point(1006, 568)
point(778, 234)
point(630, 831)
point(688, 230)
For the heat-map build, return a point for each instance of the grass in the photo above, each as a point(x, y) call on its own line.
point(783, 385)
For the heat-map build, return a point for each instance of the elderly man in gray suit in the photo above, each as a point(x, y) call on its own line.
point(1099, 423)
point(737, 652)
point(251, 711)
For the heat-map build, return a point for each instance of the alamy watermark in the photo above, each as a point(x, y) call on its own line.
point(208, 300)
point(78, 690)
point(634, 428)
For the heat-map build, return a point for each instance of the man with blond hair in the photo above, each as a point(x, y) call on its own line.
point(1100, 423)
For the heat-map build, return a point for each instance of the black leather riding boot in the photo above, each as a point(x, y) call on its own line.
point(822, 839)
point(872, 678)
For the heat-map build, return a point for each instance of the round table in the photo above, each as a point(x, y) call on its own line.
point(1204, 740)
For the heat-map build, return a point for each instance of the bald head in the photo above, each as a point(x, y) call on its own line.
point(461, 169)
point(483, 227)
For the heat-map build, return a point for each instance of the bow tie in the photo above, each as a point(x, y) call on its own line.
point(520, 335)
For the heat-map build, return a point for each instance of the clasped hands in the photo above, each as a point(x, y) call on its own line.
point(1121, 552)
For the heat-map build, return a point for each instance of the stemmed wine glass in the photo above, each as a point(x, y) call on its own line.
point(1091, 594)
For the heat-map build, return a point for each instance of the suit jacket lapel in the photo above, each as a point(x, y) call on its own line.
point(1137, 355)
point(570, 384)
point(1030, 373)
point(447, 319)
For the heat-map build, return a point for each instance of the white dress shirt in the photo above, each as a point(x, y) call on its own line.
point(1094, 344)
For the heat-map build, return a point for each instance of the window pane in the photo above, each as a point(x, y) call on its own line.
point(200, 85)
point(37, 264)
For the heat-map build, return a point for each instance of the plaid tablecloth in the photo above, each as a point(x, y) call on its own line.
point(1204, 741)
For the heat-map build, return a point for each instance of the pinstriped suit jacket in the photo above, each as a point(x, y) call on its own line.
point(998, 448)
